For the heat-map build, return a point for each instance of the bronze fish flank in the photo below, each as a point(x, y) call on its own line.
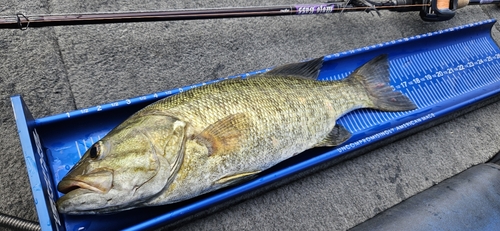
point(209, 137)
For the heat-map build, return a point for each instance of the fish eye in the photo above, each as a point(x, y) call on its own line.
point(95, 151)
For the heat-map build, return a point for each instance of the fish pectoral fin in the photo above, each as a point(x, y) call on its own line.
point(225, 135)
point(309, 69)
point(230, 179)
point(337, 135)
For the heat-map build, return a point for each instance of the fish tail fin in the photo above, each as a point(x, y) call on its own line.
point(374, 77)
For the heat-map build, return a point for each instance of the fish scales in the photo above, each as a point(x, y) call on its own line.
point(274, 113)
point(219, 134)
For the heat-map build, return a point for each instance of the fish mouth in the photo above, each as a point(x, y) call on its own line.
point(99, 180)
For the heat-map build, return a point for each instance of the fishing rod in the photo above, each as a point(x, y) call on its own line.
point(430, 10)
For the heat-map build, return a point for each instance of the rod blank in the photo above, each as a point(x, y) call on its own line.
point(23, 21)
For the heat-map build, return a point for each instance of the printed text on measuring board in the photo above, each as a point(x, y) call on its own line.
point(447, 71)
point(385, 133)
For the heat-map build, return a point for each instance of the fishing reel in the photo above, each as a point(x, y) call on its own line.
point(430, 10)
point(440, 10)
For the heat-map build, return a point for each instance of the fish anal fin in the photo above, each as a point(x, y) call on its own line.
point(226, 180)
point(309, 69)
point(337, 135)
point(225, 135)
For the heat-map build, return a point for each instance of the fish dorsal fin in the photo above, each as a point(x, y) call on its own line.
point(337, 135)
point(230, 179)
point(309, 69)
point(224, 136)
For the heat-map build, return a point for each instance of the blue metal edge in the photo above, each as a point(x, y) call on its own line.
point(36, 164)
point(41, 186)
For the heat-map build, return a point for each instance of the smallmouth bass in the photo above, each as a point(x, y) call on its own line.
point(219, 134)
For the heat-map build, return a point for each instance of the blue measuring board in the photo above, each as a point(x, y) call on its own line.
point(441, 72)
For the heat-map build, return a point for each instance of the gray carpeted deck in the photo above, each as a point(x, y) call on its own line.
point(58, 69)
